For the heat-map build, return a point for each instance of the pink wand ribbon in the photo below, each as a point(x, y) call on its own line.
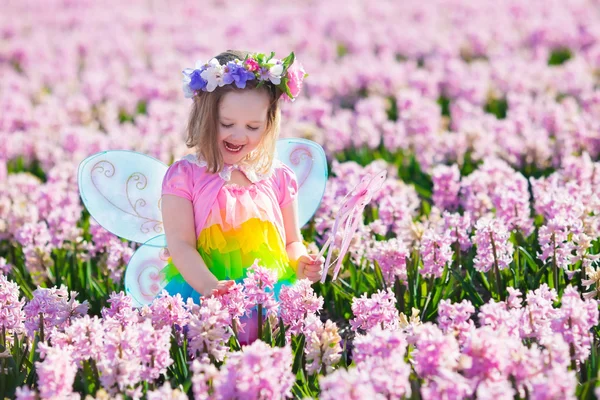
point(349, 216)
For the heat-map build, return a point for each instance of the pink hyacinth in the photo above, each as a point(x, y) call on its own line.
point(56, 374)
point(167, 310)
point(258, 286)
point(350, 384)
point(25, 393)
point(322, 348)
point(554, 241)
point(119, 361)
point(381, 352)
point(446, 186)
point(459, 228)
point(5, 267)
point(297, 302)
point(436, 253)
point(434, 352)
point(12, 315)
point(54, 308)
point(538, 313)
point(379, 343)
point(456, 318)
point(391, 256)
point(259, 371)
point(166, 392)
point(574, 320)
point(504, 315)
point(235, 302)
point(203, 375)
point(486, 354)
point(446, 384)
point(121, 309)
point(84, 338)
point(379, 310)
point(493, 247)
point(389, 376)
point(208, 330)
point(154, 345)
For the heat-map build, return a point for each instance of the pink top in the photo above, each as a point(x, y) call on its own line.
point(265, 197)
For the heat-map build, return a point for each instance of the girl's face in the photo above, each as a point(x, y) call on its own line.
point(242, 122)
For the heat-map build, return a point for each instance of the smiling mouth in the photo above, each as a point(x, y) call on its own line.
point(232, 147)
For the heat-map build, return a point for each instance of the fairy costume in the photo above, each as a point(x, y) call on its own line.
point(234, 224)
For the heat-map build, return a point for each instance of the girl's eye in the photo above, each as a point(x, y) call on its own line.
point(251, 128)
point(226, 126)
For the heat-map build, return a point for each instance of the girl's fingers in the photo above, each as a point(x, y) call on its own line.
point(313, 267)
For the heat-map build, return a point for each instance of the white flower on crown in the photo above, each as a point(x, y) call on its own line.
point(213, 74)
point(275, 71)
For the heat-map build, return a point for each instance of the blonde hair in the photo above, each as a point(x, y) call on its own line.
point(203, 124)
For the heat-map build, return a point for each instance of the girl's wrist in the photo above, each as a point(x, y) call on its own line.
point(295, 250)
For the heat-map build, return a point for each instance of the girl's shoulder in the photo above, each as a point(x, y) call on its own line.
point(185, 177)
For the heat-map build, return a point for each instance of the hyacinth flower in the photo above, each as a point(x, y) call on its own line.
point(494, 249)
point(258, 287)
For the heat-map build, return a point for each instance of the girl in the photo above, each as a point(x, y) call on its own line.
point(231, 202)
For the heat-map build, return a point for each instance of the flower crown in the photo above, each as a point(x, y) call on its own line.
point(285, 74)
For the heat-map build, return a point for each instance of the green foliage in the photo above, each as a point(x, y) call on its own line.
point(560, 56)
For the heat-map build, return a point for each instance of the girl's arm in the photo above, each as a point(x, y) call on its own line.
point(306, 266)
point(178, 219)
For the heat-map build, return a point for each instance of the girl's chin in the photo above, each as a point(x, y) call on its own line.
point(232, 158)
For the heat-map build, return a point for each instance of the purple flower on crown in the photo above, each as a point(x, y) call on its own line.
point(196, 81)
point(236, 72)
point(263, 74)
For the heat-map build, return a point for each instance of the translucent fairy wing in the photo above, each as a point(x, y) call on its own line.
point(122, 190)
point(144, 275)
point(307, 159)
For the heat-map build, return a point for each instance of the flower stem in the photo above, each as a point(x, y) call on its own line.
point(496, 269)
point(554, 266)
point(260, 321)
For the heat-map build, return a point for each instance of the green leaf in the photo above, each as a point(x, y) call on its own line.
point(298, 356)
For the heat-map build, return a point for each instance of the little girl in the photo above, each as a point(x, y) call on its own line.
point(232, 202)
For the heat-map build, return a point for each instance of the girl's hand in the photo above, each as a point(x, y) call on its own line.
point(221, 288)
point(310, 266)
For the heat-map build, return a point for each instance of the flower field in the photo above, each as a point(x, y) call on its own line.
point(475, 274)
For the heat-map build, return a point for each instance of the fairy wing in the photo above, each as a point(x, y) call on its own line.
point(121, 190)
point(307, 159)
point(144, 275)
